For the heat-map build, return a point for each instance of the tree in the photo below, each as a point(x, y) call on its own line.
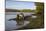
point(39, 7)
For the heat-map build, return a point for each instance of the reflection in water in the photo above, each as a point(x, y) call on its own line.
point(10, 24)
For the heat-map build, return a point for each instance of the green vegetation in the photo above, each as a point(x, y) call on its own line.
point(26, 10)
point(39, 21)
point(39, 8)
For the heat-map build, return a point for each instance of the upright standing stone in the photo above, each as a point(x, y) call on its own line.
point(20, 19)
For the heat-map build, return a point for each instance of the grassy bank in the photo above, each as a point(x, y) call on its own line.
point(35, 23)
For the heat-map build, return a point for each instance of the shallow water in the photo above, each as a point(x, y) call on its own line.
point(9, 25)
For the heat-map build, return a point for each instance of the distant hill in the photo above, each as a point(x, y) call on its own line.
point(11, 10)
point(17, 10)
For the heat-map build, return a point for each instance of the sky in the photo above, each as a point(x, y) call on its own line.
point(20, 5)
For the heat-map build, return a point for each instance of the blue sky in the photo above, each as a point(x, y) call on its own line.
point(20, 5)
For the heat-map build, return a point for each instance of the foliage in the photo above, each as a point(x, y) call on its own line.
point(26, 10)
point(39, 7)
